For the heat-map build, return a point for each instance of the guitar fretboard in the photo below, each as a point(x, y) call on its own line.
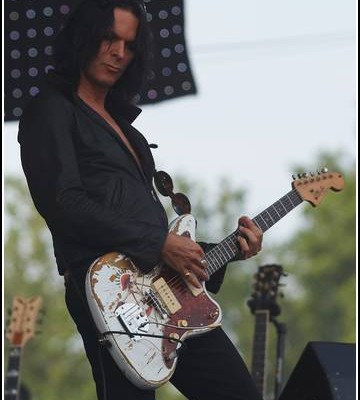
point(12, 375)
point(228, 249)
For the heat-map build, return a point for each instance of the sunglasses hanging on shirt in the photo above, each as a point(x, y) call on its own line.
point(164, 185)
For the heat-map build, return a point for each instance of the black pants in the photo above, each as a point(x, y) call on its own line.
point(209, 368)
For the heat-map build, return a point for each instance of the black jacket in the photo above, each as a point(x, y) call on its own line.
point(86, 184)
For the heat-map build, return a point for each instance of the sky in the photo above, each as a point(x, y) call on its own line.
point(276, 86)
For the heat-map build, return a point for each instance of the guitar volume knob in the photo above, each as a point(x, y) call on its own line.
point(174, 337)
point(183, 323)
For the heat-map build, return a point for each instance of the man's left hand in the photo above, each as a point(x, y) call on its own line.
point(250, 239)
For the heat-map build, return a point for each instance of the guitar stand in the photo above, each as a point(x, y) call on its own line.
point(281, 331)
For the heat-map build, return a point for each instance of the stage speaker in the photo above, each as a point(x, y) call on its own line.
point(325, 371)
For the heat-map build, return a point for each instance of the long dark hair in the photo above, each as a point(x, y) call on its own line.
point(79, 41)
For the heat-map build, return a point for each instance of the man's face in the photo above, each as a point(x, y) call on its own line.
point(115, 52)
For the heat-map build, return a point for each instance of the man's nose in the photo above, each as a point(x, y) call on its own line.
point(118, 49)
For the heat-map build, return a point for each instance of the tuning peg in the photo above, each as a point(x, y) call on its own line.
point(322, 170)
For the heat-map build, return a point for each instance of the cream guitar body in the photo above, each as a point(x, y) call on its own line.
point(149, 314)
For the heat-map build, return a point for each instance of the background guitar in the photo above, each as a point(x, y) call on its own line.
point(263, 305)
point(20, 330)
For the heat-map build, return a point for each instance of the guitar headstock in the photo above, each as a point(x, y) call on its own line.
point(23, 320)
point(266, 289)
point(312, 187)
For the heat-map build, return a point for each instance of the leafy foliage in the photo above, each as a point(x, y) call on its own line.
point(322, 258)
point(53, 361)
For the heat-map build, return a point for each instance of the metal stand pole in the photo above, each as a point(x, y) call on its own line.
point(281, 331)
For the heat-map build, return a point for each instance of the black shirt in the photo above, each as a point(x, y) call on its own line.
point(86, 184)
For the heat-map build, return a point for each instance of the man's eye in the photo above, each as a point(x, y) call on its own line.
point(109, 36)
point(131, 46)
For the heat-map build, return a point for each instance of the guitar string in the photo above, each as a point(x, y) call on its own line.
point(212, 254)
point(211, 257)
point(175, 282)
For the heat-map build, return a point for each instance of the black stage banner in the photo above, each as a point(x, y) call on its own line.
point(30, 27)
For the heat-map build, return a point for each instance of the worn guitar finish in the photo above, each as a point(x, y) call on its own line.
point(145, 317)
point(159, 303)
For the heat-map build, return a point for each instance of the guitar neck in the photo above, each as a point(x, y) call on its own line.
point(259, 350)
point(228, 249)
point(12, 378)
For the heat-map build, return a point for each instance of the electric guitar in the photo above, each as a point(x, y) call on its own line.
point(144, 318)
point(20, 330)
point(263, 305)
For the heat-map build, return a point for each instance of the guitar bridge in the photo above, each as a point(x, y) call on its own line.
point(133, 319)
point(151, 298)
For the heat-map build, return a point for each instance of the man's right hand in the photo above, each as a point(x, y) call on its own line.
point(184, 256)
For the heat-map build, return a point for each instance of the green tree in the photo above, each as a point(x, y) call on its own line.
point(53, 362)
point(321, 262)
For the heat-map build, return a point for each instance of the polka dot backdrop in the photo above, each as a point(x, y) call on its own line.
point(31, 25)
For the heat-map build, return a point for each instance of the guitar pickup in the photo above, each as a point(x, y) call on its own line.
point(166, 294)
